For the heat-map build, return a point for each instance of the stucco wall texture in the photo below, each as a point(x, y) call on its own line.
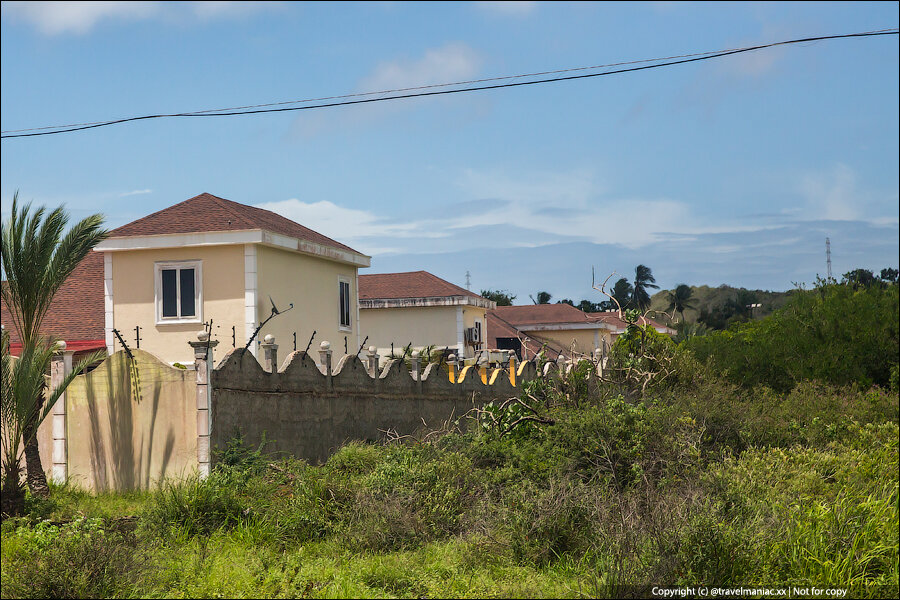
point(130, 425)
point(304, 415)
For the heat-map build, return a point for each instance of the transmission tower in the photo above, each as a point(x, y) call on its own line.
point(468, 281)
point(828, 255)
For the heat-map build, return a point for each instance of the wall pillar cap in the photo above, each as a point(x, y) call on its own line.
point(325, 345)
point(203, 335)
point(269, 339)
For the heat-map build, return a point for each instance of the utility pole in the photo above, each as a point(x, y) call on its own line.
point(828, 255)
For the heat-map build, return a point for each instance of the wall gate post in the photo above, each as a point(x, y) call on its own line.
point(270, 354)
point(202, 363)
point(325, 359)
point(60, 366)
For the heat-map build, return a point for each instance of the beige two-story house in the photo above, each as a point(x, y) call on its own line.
point(167, 275)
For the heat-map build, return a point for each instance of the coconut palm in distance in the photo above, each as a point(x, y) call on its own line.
point(37, 255)
point(643, 280)
point(620, 296)
point(680, 299)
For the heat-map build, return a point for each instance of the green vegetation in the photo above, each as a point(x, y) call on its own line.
point(579, 487)
point(501, 297)
point(37, 255)
point(717, 307)
point(835, 333)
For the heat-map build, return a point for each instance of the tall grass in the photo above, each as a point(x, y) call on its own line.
point(708, 484)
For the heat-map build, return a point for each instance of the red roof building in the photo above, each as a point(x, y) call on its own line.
point(76, 313)
point(206, 213)
point(559, 329)
point(415, 286)
point(421, 310)
point(208, 259)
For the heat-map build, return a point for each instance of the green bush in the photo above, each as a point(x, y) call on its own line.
point(832, 334)
point(85, 558)
point(413, 495)
point(197, 506)
point(542, 525)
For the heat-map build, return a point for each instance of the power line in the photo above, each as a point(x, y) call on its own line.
point(397, 90)
point(342, 100)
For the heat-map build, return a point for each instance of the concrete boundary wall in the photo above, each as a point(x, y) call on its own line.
point(134, 421)
point(127, 424)
point(309, 410)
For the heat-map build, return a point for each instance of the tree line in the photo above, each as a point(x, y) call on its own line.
point(624, 294)
point(743, 305)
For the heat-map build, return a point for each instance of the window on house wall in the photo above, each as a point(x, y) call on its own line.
point(344, 295)
point(178, 293)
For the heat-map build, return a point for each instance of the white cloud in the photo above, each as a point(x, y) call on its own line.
point(498, 209)
point(510, 8)
point(571, 204)
point(446, 64)
point(52, 18)
point(135, 193)
point(212, 10)
point(364, 230)
point(451, 62)
point(832, 194)
point(754, 63)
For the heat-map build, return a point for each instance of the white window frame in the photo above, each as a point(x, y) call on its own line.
point(341, 326)
point(158, 268)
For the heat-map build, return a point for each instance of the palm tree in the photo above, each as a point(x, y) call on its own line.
point(680, 299)
point(22, 381)
point(620, 296)
point(643, 280)
point(37, 255)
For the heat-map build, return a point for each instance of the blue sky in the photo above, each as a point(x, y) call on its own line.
point(732, 170)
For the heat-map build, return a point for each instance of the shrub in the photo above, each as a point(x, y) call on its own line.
point(833, 334)
point(542, 525)
point(86, 558)
point(196, 506)
point(642, 358)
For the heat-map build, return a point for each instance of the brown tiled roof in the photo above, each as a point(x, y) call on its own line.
point(513, 322)
point(561, 314)
point(533, 314)
point(77, 311)
point(497, 327)
point(207, 213)
point(415, 284)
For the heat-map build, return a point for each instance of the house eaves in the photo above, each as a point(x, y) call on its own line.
point(425, 301)
point(564, 326)
point(219, 238)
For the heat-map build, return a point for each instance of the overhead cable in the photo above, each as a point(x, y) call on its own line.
point(416, 92)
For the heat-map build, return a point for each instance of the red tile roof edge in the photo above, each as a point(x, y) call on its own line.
point(380, 279)
point(242, 217)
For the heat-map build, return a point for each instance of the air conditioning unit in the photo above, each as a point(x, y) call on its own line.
point(473, 335)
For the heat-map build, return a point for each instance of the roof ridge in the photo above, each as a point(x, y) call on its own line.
point(207, 212)
point(228, 206)
point(400, 273)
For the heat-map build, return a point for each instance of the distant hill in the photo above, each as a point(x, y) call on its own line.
point(712, 297)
